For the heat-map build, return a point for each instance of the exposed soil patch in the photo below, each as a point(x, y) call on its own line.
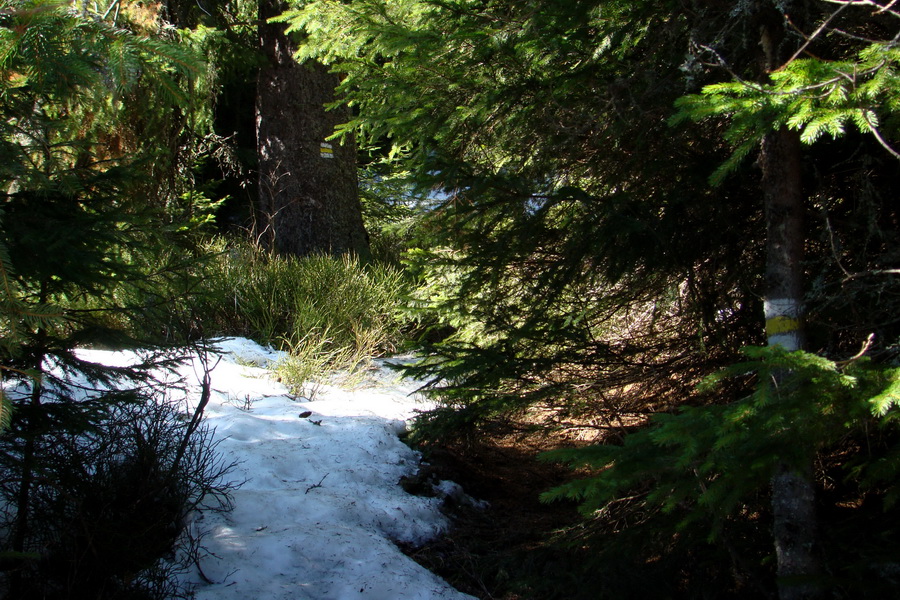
point(508, 550)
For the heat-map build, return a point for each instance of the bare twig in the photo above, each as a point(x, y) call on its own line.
point(316, 485)
point(812, 37)
point(205, 395)
point(834, 251)
point(878, 137)
point(865, 348)
point(871, 273)
point(886, 8)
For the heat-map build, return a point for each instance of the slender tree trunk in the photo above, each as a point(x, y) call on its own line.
point(22, 523)
point(793, 488)
point(783, 197)
point(308, 194)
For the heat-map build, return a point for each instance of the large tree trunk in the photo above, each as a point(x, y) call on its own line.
point(308, 194)
point(793, 488)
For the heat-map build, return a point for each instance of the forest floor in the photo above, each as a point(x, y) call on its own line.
point(517, 547)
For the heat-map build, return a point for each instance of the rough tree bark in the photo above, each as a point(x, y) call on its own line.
point(308, 194)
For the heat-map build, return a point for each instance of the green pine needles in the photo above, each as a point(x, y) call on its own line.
point(46, 46)
point(707, 462)
point(814, 96)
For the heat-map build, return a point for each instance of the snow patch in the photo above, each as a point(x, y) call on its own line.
point(320, 507)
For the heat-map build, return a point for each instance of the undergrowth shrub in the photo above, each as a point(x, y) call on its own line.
point(98, 494)
point(701, 474)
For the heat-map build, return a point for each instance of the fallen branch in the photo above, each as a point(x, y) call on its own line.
point(316, 485)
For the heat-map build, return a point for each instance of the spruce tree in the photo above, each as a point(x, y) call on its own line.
point(287, 183)
point(780, 123)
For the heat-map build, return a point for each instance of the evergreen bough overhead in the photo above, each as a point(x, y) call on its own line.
point(561, 198)
point(76, 221)
point(815, 96)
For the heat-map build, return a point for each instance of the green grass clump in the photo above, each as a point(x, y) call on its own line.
point(327, 312)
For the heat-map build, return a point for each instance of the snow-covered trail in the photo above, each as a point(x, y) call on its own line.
point(320, 503)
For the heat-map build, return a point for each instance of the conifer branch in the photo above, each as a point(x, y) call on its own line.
point(879, 137)
point(871, 273)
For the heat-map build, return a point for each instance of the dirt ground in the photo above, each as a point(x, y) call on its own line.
point(500, 552)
